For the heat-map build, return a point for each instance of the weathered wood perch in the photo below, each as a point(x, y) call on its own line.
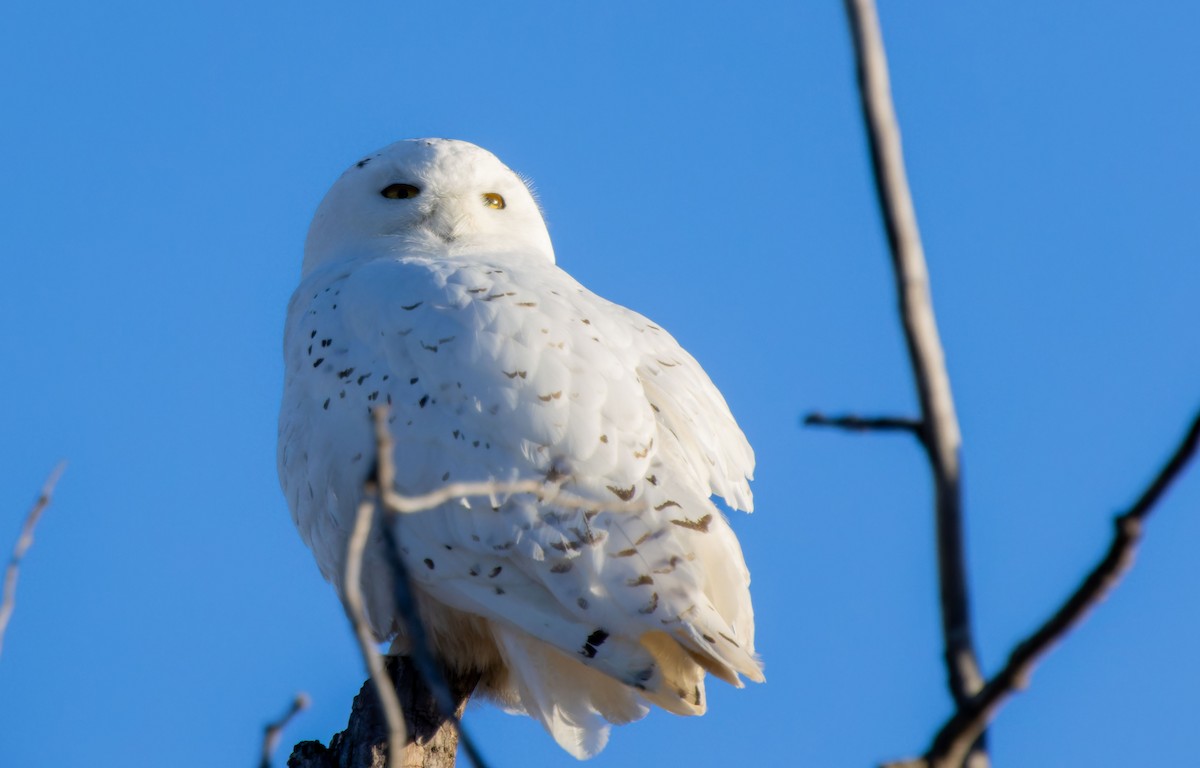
point(432, 738)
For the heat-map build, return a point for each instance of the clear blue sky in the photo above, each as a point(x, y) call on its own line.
point(701, 164)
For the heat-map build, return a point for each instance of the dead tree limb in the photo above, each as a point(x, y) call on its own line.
point(24, 542)
point(937, 429)
point(939, 423)
point(352, 600)
point(395, 721)
point(428, 667)
point(961, 739)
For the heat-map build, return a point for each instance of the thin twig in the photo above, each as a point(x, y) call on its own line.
point(940, 424)
point(273, 731)
point(953, 740)
point(404, 504)
point(853, 423)
point(422, 656)
point(352, 599)
point(24, 542)
point(546, 490)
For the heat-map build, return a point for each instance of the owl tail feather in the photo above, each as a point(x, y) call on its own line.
point(681, 689)
point(575, 703)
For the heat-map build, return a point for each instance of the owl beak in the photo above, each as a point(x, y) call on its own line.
point(448, 219)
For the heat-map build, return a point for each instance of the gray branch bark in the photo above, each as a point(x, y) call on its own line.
point(939, 423)
point(960, 741)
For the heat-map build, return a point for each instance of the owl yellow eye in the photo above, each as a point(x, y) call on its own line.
point(399, 191)
point(493, 200)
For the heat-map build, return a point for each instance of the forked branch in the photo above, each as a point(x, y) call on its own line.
point(428, 666)
point(274, 730)
point(939, 423)
point(956, 736)
point(960, 740)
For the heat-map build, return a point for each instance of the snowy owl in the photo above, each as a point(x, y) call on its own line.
point(429, 284)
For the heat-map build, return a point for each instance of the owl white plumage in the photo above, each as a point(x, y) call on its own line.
point(429, 284)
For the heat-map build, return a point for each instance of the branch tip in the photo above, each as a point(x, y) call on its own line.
point(24, 541)
point(940, 430)
point(273, 730)
point(855, 423)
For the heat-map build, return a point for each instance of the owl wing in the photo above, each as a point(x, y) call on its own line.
point(691, 409)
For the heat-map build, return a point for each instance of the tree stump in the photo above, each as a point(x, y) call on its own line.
point(432, 739)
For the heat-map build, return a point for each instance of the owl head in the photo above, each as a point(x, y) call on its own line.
point(438, 197)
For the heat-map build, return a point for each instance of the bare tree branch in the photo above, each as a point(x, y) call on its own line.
point(24, 542)
point(546, 490)
point(961, 741)
point(939, 423)
point(854, 423)
point(938, 419)
point(422, 656)
point(954, 739)
point(274, 730)
point(352, 599)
